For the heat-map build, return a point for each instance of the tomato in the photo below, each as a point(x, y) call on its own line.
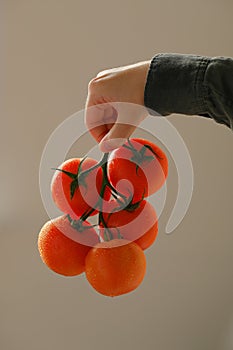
point(85, 194)
point(139, 225)
point(139, 168)
point(62, 248)
point(116, 267)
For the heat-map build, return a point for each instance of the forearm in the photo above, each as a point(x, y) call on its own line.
point(191, 85)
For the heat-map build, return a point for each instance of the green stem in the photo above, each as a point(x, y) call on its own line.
point(138, 156)
point(131, 148)
point(99, 204)
point(98, 165)
point(103, 164)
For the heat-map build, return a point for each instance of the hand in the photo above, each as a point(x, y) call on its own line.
point(109, 120)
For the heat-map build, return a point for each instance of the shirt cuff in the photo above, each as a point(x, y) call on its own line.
point(175, 84)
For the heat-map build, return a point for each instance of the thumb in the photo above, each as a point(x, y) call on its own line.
point(129, 116)
point(116, 137)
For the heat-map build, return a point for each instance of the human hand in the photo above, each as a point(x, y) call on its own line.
point(109, 120)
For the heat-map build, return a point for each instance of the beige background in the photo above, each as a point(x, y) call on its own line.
point(49, 51)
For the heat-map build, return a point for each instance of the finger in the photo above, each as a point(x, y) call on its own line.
point(117, 135)
point(99, 119)
point(129, 116)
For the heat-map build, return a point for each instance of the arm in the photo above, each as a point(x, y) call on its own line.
point(169, 83)
point(192, 85)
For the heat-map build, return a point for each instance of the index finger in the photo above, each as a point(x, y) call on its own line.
point(99, 119)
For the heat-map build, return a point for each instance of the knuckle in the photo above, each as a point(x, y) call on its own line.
point(103, 73)
point(99, 81)
point(94, 84)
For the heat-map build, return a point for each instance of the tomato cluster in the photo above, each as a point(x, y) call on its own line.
point(110, 252)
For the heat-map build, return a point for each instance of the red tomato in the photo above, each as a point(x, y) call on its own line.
point(116, 267)
point(63, 249)
point(139, 225)
point(86, 193)
point(137, 172)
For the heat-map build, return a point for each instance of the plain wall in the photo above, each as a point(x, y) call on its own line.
point(49, 52)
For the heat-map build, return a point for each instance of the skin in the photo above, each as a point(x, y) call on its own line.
point(105, 118)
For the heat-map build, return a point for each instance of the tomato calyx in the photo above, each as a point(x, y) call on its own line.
point(133, 206)
point(78, 224)
point(79, 180)
point(107, 232)
point(75, 177)
point(151, 149)
point(130, 207)
point(139, 156)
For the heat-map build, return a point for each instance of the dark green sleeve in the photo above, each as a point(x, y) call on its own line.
point(191, 85)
